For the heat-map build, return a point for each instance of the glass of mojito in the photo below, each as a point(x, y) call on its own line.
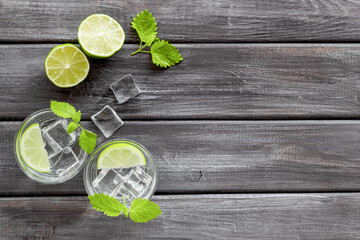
point(123, 169)
point(45, 151)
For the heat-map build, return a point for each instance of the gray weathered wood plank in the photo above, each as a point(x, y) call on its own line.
point(215, 81)
point(188, 21)
point(250, 216)
point(223, 156)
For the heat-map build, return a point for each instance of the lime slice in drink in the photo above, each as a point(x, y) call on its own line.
point(100, 36)
point(66, 65)
point(32, 149)
point(121, 155)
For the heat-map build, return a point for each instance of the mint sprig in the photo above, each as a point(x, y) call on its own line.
point(141, 210)
point(87, 139)
point(162, 52)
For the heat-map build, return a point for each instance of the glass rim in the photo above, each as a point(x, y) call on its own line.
point(25, 168)
point(88, 186)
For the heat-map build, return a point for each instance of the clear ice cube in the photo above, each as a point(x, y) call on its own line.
point(64, 161)
point(142, 175)
point(125, 89)
point(139, 180)
point(122, 173)
point(107, 121)
point(136, 183)
point(107, 182)
point(126, 191)
point(57, 138)
point(129, 183)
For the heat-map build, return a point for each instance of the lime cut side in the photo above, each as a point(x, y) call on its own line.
point(121, 155)
point(100, 36)
point(66, 65)
point(32, 149)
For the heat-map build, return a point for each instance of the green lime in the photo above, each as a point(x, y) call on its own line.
point(32, 149)
point(100, 36)
point(121, 155)
point(66, 65)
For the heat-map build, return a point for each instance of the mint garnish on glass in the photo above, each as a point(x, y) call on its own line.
point(162, 52)
point(142, 210)
point(87, 139)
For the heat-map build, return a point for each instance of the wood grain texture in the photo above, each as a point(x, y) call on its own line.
point(251, 216)
point(188, 21)
point(223, 156)
point(215, 81)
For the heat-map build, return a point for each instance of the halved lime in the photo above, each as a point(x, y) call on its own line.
point(100, 36)
point(121, 155)
point(32, 149)
point(66, 65)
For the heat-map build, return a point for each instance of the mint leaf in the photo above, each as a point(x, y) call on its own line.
point(71, 127)
point(164, 54)
point(104, 203)
point(145, 26)
point(62, 109)
point(143, 210)
point(87, 141)
point(156, 39)
point(76, 116)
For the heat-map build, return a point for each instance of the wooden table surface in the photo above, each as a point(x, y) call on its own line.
point(255, 134)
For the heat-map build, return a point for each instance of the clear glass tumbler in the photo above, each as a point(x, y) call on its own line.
point(122, 183)
point(65, 156)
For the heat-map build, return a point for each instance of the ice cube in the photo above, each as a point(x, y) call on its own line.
point(139, 180)
point(136, 183)
point(142, 175)
point(122, 174)
point(125, 89)
point(107, 121)
point(106, 182)
point(79, 152)
point(51, 152)
point(64, 161)
point(56, 136)
point(126, 191)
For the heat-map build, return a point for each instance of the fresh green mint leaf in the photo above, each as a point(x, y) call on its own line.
point(71, 127)
point(156, 39)
point(143, 210)
point(87, 141)
point(145, 26)
point(164, 54)
point(62, 109)
point(76, 116)
point(104, 203)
